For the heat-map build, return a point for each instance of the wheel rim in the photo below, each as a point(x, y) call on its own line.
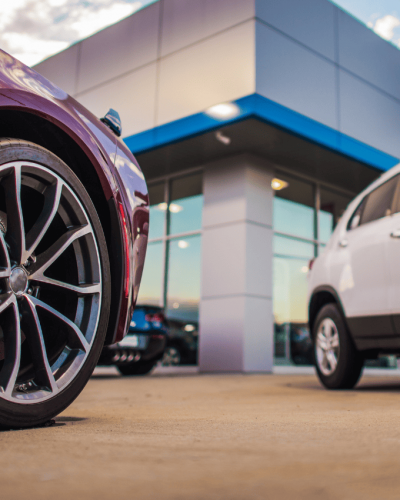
point(50, 283)
point(171, 357)
point(327, 346)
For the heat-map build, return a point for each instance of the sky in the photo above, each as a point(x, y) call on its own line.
point(382, 16)
point(32, 30)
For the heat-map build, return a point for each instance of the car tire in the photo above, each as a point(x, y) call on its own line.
point(54, 285)
point(338, 363)
point(137, 368)
point(171, 357)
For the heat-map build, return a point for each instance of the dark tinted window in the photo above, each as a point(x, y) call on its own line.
point(378, 203)
point(356, 217)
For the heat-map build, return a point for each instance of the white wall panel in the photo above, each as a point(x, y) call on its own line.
point(259, 259)
point(295, 77)
point(218, 69)
point(120, 48)
point(188, 21)
point(236, 331)
point(226, 263)
point(367, 55)
point(133, 96)
point(221, 334)
point(62, 69)
point(311, 22)
point(257, 349)
point(369, 115)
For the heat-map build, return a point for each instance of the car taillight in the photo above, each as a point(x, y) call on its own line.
point(153, 318)
point(310, 264)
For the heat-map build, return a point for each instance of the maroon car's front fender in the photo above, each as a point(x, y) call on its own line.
point(121, 179)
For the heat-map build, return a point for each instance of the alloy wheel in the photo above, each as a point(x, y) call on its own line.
point(171, 357)
point(327, 346)
point(50, 283)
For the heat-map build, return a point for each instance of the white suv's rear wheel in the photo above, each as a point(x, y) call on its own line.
point(338, 363)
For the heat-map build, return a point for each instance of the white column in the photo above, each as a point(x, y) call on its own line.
point(236, 322)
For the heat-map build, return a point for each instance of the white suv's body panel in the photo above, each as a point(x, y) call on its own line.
point(362, 265)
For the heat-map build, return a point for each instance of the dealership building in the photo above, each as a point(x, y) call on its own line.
point(255, 123)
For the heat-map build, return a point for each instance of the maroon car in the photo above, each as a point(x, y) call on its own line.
point(73, 236)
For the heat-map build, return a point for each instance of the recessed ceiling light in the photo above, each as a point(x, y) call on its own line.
point(222, 138)
point(183, 244)
point(223, 111)
point(278, 184)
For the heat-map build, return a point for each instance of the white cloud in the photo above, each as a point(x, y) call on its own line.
point(29, 49)
point(89, 22)
point(32, 30)
point(385, 26)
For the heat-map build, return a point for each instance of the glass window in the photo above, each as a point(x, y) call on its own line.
point(378, 203)
point(294, 208)
point(151, 287)
point(290, 308)
point(290, 290)
point(292, 218)
point(186, 204)
point(292, 247)
point(332, 206)
point(290, 268)
point(184, 272)
point(158, 210)
point(356, 217)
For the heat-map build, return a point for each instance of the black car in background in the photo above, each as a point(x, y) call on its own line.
point(293, 342)
point(143, 346)
point(182, 343)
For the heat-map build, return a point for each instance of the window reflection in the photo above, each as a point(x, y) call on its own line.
point(290, 268)
point(157, 211)
point(293, 218)
point(183, 295)
point(332, 206)
point(186, 204)
point(293, 248)
point(151, 286)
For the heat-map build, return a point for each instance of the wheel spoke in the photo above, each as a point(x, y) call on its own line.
point(324, 362)
point(85, 289)
point(321, 340)
point(4, 271)
point(332, 360)
point(335, 340)
point(76, 337)
point(6, 299)
point(328, 330)
point(15, 220)
point(12, 355)
point(44, 375)
point(45, 259)
point(52, 197)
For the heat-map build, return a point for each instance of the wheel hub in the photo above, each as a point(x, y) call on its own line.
point(18, 281)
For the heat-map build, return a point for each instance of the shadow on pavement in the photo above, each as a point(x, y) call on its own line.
point(68, 419)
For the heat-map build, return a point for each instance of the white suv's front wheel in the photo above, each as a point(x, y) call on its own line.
point(338, 363)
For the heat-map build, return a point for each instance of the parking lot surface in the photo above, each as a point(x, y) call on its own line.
point(186, 436)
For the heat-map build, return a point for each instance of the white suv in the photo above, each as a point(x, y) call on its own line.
point(354, 286)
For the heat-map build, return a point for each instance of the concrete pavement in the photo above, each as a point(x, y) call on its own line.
point(181, 436)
